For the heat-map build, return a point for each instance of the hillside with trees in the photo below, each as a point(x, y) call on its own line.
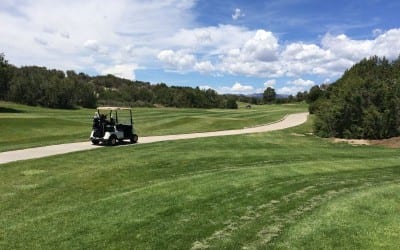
point(33, 85)
point(363, 103)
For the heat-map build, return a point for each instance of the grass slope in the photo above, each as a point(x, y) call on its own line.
point(24, 126)
point(275, 190)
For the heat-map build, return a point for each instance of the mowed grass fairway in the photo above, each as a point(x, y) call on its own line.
point(278, 190)
point(24, 126)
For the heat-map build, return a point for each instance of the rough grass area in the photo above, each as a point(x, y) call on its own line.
point(24, 126)
point(274, 190)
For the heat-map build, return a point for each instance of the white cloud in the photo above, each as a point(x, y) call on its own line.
point(388, 44)
point(294, 86)
point(332, 68)
point(300, 58)
point(237, 88)
point(99, 34)
point(301, 51)
point(126, 71)
point(257, 56)
point(64, 27)
point(40, 41)
point(213, 40)
point(377, 32)
point(237, 14)
point(327, 80)
point(64, 35)
point(204, 67)
point(179, 60)
point(270, 83)
point(205, 87)
point(289, 90)
point(344, 47)
point(303, 83)
point(92, 45)
point(263, 46)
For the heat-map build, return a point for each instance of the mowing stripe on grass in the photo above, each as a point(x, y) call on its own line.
point(25, 154)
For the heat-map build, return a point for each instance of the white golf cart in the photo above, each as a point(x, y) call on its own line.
point(109, 129)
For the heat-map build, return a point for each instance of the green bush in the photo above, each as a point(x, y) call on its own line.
point(231, 103)
point(364, 103)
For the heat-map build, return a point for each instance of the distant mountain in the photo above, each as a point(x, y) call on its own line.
point(256, 95)
point(260, 96)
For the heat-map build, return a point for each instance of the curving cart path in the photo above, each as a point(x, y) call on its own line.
point(288, 121)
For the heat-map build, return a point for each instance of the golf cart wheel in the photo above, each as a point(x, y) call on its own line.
point(134, 138)
point(112, 141)
point(95, 142)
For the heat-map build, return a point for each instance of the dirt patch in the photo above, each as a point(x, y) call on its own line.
point(299, 135)
point(27, 186)
point(389, 143)
point(33, 172)
point(354, 142)
point(199, 245)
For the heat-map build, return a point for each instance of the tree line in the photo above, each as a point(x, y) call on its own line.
point(33, 85)
point(269, 96)
point(363, 103)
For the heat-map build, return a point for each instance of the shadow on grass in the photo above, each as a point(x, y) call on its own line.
point(119, 143)
point(10, 110)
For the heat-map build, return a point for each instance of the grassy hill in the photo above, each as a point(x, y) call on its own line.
point(26, 126)
point(279, 190)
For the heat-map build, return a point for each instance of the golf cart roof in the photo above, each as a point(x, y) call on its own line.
point(113, 108)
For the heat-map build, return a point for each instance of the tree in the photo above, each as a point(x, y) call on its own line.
point(314, 93)
point(363, 103)
point(254, 100)
point(214, 100)
point(5, 75)
point(269, 95)
point(301, 96)
point(86, 97)
point(231, 103)
point(314, 98)
point(33, 85)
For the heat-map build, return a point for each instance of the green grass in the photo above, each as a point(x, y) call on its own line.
point(365, 218)
point(24, 126)
point(273, 190)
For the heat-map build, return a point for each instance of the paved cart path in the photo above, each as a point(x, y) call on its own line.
point(288, 121)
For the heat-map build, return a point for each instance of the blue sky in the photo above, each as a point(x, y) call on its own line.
point(230, 46)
